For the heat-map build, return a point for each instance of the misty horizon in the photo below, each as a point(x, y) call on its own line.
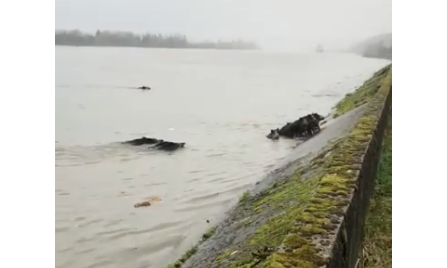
point(280, 25)
point(105, 38)
point(112, 31)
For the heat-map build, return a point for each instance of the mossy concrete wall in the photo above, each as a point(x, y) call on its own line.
point(313, 216)
point(347, 245)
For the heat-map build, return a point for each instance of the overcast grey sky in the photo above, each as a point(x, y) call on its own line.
point(275, 24)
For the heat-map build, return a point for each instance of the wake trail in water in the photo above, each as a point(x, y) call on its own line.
point(93, 154)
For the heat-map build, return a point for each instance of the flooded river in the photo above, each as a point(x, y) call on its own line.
point(220, 103)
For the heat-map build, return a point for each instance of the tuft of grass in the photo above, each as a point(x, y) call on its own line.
point(363, 94)
point(244, 197)
point(377, 245)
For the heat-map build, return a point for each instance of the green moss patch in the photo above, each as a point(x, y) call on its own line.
point(363, 94)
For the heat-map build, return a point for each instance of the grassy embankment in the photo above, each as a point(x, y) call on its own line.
point(296, 210)
point(363, 94)
point(377, 245)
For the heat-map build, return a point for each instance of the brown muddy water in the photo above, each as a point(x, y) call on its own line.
point(221, 103)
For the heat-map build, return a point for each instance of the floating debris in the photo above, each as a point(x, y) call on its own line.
point(147, 203)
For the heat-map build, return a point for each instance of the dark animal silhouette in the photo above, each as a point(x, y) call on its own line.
point(302, 128)
point(305, 126)
point(273, 135)
point(294, 129)
point(156, 144)
point(288, 130)
point(318, 116)
point(144, 88)
point(314, 126)
point(168, 145)
point(310, 125)
point(143, 141)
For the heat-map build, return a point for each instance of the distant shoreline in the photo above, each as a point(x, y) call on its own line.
point(207, 48)
point(378, 57)
point(106, 38)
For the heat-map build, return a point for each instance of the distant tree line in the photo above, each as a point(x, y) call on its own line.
point(378, 50)
point(128, 39)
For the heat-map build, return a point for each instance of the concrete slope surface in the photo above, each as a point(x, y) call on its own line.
point(244, 220)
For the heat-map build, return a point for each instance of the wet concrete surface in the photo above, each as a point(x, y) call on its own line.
point(240, 223)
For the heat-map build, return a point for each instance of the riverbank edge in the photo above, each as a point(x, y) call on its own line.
point(189, 48)
point(323, 204)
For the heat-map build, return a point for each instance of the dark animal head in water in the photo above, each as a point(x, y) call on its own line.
point(274, 134)
point(170, 146)
point(152, 140)
point(144, 87)
point(142, 141)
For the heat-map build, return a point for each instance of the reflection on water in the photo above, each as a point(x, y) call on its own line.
point(221, 103)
